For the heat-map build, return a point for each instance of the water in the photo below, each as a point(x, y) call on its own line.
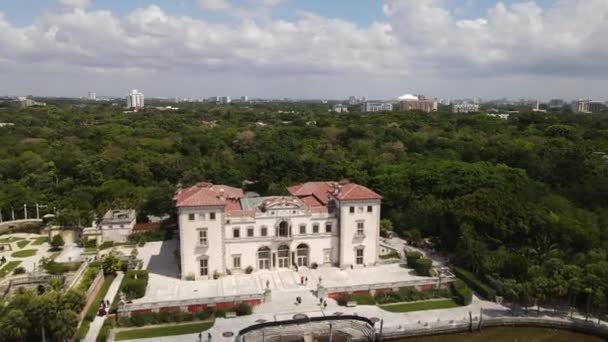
point(509, 334)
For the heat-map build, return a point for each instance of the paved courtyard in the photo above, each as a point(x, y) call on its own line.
point(164, 284)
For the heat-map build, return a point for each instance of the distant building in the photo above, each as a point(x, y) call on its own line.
point(596, 106)
point(340, 108)
point(117, 224)
point(411, 102)
point(581, 106)
point(245, 98)
point(135, 100)
point(556, 103)
point(225, 100)
point(502, 116)
point(465, 108)
point(24, 102)
point(92, 96)
point(6, 124)
point(369, 107)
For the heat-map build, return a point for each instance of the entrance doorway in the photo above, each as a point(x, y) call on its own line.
point(283, 255)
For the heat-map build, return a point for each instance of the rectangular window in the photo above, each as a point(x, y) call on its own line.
point(359, 257)
point(328, 227)
point(191, 217)
point(264, 231)
point(360, 228)
point(369, 208)
point(202, 237)
point(236, 232)
point(315, 228)
point(204, 267)
point(352, 210)
point(250, 232)
point(201, 217)
point(212, 216)
point(236, 261)
point(302, 229)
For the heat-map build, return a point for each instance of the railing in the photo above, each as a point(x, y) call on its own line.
point(376, 286)
point(303, 321)
point(194, 301)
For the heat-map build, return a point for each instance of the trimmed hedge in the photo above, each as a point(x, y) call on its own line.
point(474, 283)
point(243, 309)
point(104, 332)
point(154, 235)
point(411, 258)
point(134, 284)
point(423, 267)
point(461, 292)
point(151, 318)
point(53, 267)
point(409, 294)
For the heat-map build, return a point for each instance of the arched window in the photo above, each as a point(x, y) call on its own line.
point(302, 254)
point(284, 229)
point(283, 255)
point(264, 258)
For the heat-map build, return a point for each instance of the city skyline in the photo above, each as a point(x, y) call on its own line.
point(305, 49)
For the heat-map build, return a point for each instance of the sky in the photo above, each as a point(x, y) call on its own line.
point(305, 48)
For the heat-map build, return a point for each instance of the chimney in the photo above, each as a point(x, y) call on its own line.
point(179, 188)
point(221, 192)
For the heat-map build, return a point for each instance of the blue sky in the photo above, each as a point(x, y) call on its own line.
point(268, 48)
point(363, 12)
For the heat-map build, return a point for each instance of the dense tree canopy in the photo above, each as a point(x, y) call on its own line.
point(520, 201)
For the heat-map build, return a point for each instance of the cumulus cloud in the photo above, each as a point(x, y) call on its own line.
point(74, 3)
point(416, 40)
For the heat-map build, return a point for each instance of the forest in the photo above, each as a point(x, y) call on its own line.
point(521, 203)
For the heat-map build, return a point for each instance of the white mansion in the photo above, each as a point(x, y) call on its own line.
point(323, 223)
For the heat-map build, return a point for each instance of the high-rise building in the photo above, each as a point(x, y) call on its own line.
point(92, 96)
point(245, 98)
point(135, 100)
point(465, 107)
point(596, 106)
point(225, 99)
point(368, 107)
point(411, 102)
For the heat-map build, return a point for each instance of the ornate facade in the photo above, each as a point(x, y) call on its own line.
point(321, 223)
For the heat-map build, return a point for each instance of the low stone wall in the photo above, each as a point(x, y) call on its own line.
point(459, 327)
point(420, 284)
point(190, 305)
point(92, 293)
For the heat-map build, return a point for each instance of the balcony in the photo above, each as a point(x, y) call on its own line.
point(200, 246)
point(360, 235)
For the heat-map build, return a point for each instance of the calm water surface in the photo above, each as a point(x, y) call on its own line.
point(511, 335)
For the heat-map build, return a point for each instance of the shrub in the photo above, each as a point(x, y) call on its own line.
point(216, 275)
point(423, 267)
point(90, 243)
point(220, 313)
point(19, 270)
point(53, 267)
point(134, 284)
point(411, 258)
point(463, 294)
point(314, 265)
point(243, 309)
point(248, 270)
point(362, 299)
point(106, 245)
point(153, 235)
point(205, 314)
point(484, 290)
point(57, 241)
point(190, 276)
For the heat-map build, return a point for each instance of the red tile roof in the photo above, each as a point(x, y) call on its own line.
point(207, 194)
point(322, 190)
point(147, 226)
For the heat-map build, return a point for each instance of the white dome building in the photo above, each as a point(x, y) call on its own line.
point(408, 97)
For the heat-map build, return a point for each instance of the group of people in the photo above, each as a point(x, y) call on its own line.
point(104, 306)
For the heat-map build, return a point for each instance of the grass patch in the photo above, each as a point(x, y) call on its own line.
point(54, 255)
point(10, 239)
point(420, 306)
point(163, 331)
point(24, 253)
point(9, 267)
point(83, 330)
point(22, 243)
point(39, 241)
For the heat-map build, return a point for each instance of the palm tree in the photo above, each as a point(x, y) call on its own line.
point(63, 326)
point(15, 325)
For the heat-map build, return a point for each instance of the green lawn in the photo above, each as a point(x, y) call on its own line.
point(10, 239)
point(24, 253)
point(163, 331)
point(39, 241)
point(9, 267)
point(420, 306)
point(22, 243)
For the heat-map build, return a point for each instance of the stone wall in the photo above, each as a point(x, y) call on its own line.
point(92, 293)
point(190, 305)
